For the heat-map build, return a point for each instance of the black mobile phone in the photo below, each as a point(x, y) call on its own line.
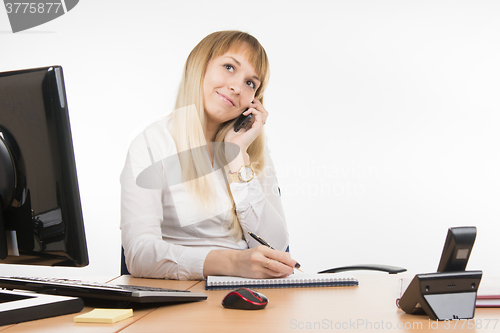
point(242, 121)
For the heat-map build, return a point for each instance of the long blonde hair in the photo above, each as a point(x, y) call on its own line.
point(189, 121)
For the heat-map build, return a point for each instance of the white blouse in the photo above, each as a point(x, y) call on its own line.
point(166, 233)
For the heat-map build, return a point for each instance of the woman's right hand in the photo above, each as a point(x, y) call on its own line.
point(259, 262)
point(262, 262)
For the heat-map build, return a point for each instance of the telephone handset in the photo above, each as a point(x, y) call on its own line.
point(242, 121)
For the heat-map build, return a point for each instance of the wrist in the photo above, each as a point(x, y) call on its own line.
point(235, 164)
point(244, 175)
point(241, 148)
point(246, 158)
point(221, 262)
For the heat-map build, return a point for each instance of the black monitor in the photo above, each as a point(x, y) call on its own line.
point(41, 221)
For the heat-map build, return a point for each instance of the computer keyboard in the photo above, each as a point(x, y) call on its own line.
point(92, 290)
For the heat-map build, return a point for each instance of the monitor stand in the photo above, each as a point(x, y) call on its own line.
point(19, 306)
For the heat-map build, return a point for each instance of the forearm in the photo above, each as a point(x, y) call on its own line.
point(149, 256)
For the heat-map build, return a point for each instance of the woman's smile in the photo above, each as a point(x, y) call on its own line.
point(225, 99)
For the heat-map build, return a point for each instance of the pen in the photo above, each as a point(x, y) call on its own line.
point(260, 240)
point(263, 242)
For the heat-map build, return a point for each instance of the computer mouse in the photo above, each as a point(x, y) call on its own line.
point(244, 299)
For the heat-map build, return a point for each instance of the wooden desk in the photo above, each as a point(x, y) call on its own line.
point(370, 307)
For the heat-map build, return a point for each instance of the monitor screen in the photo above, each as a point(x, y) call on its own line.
point(41, 221)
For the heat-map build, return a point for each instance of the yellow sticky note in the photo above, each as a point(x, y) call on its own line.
point(107, 316)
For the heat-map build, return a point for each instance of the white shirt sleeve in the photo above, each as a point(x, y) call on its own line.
point(259, 208)
point(147, 253)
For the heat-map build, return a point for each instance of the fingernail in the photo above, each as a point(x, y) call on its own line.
point(297, 265)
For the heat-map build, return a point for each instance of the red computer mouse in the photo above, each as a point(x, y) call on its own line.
point(244, 299)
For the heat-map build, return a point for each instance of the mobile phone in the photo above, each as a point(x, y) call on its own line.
point(242, 121)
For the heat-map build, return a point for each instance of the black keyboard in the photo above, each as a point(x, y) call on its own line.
point(100, 291)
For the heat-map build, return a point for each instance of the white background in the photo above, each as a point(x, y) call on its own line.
point(384, 116)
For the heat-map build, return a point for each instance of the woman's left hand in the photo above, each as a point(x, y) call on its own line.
point(252, 130)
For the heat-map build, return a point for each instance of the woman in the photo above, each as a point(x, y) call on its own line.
point(187, 206)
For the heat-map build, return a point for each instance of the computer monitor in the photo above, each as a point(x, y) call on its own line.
point(41, 221)
point(41, 217)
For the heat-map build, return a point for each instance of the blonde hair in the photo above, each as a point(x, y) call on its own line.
point(189, 120)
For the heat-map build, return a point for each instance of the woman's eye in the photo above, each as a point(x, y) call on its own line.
point(251, 84)
point(229, 67)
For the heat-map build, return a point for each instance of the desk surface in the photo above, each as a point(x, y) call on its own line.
point(369, 307)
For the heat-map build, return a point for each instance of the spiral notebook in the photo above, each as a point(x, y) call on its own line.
point(292, 281)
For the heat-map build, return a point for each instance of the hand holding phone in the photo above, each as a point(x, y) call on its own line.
point(242, 121)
